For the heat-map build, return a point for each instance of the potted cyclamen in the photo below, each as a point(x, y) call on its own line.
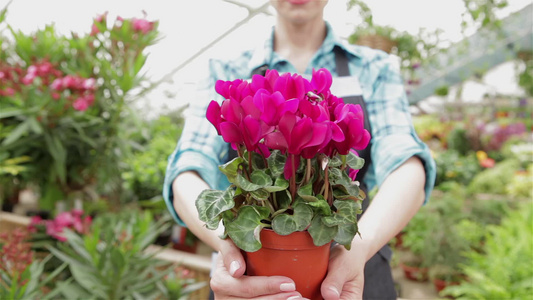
point(293, 178)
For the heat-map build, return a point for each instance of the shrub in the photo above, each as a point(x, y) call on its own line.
point(503, 270)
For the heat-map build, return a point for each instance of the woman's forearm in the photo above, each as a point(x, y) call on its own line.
point(397, 201)
point(186, 187)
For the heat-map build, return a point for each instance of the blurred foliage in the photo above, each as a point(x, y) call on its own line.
point(494, 180)
point(451, 166)
point(503, 269)
point(64, 101)
point(145, 169)
point(111, 261)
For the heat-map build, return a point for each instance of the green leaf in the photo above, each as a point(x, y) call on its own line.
point(285, 224)
point(276, 163)
point(7, 113)
point(77, 244)
point(230, 168)
point(259, 179)
point(245, 229)
point(117, 259)
point(260, 194)
point(306, 192)
point(72, 291)
point(321, 233)
point(59, 153)
point(211, 203)
point(334, 162)
point(346, 213)
point(345, 184)
point(321, 206)
point(355, 162)
point(346, 234)
point(279, 185)
point(18, 132)
point(84, 277)
point(283, 198)
point(35, 126)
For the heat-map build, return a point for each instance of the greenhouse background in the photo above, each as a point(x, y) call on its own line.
point(72, 177)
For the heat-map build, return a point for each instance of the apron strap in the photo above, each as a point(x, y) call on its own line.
point(341, 63)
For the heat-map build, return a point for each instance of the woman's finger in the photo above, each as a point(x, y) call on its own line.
point(233, 259)
point(249, 286)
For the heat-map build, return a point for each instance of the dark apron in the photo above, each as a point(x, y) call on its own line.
point(379, 283)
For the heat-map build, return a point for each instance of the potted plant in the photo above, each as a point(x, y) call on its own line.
point(63, 100)
point(293, 178)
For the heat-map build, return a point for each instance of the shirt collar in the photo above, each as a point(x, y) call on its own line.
point(264, 53)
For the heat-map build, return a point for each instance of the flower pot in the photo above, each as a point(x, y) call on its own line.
point(441, 284)
point(414, 273)
point(294, 256)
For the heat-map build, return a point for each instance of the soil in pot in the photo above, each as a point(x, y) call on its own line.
point(294, 256)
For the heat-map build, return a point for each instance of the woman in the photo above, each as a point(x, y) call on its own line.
point(399, 163)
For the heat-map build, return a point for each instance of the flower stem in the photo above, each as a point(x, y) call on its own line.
point(326, 186)
point(308, 171)
point(250, 162)
point(293, 180)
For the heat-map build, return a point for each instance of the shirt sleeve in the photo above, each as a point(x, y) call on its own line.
point(199, 148)
point(394, 139)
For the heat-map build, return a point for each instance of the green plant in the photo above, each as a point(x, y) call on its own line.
point(503, 269)
point(63, 100)
point(22, 276)
point(180, 283)
point(453, 167)
point(494, 180)
point(417, 232)
point(110, 262)
point(521, 184)
point(145, 169)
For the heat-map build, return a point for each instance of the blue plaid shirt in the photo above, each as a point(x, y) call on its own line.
point(394, 139)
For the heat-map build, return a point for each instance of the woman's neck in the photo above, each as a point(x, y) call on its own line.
point(299, 42)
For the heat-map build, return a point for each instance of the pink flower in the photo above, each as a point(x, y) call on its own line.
point(487, 163)
point(94, 30)
point(142, 25)
point(81, 104)
point(101, 18)
point(57, 84)
point(9, 92)
point(89, 84)
point(300, 118)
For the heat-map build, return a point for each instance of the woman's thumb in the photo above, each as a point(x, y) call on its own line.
point(232, 257)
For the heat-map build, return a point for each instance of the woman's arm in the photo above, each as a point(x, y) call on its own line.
point(398, 200)
point(186, 188)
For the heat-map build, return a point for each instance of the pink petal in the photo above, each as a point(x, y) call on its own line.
point(230, 132)
point(251, 130)
point(276, 141)
point(213, 114)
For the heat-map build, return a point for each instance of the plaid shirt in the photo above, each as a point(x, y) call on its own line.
point(394, 139)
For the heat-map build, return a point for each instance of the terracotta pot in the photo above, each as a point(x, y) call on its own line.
point(414, 273)
point(442, 284)
point(294, 256)
point(399, 240)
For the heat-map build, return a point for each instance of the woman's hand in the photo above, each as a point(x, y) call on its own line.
point(229, 282)
point(345, 278)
